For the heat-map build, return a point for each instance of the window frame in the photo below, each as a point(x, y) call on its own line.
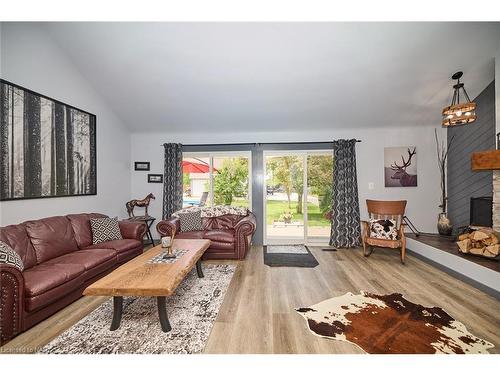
point(221, 154)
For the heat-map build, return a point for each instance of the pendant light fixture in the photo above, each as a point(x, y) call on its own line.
point(459, 113)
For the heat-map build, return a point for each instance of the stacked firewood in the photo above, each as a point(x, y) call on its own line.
point(483, 241)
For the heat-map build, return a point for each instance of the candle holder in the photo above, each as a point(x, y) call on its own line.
point(168, 244)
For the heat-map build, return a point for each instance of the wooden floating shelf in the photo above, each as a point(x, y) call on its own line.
point(485, 160)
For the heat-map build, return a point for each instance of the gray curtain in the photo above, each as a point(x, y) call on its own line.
point(172, 179)
point(346, 229)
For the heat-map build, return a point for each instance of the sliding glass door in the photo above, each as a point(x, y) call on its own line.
point(297, 196)
point(216, 179)
point(284, 195)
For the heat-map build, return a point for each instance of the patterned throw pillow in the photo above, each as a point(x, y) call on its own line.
point(383, 229)
point(10, 257)
point(105, 229)
point(190, 221)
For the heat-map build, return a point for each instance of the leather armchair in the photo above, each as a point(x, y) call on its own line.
point(230, 235)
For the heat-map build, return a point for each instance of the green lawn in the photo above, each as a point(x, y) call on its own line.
point(274, 210)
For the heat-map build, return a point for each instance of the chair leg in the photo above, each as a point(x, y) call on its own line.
point(369, 252)
point(403, 254)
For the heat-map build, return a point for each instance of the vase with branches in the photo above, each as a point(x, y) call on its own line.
point(442, 147)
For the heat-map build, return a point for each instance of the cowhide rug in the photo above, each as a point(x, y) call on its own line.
point(390, 324)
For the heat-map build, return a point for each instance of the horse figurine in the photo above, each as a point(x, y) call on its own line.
point(139, 203)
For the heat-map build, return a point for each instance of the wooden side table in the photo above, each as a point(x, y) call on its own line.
point(148, 220)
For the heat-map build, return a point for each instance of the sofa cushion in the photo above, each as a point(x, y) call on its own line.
point(16, 237)
point(81, 227)
point(51, 237)
point(119, 245)
point(125, 256)
point(53, 295)
point(44, 277)
point(105, 229)
point(196, 235)
point(221, 222)
point(220, 235)
point(228, 246)
point(94, 261)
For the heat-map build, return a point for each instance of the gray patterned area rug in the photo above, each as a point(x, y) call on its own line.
point(192, 311)
point(289, 256)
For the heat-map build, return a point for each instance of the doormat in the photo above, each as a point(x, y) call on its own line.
point(289, 256)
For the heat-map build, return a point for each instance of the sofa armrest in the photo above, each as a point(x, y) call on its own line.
point(246, 226)
point(132, 229)
point(12, 302)
point(401, 231)
point(169, 226)
point(243, 232)
point(365, 225)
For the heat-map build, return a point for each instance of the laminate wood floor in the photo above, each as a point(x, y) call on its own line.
point(258, 315)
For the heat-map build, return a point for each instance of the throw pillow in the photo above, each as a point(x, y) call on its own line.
point(105, 229)
point(10, 257)
point(190, 221)
point(383, 229)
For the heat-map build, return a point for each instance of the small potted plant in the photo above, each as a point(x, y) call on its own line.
point(286, 217)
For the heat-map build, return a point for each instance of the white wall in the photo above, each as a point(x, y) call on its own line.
point(497, 92)
point(423, 200)
point(31, 59)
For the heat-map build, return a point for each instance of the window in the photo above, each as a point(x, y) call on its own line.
point(216, 179)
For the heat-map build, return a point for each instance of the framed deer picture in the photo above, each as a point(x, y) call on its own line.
point(400, 166)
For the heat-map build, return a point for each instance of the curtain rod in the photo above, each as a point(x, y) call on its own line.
point(258, 143)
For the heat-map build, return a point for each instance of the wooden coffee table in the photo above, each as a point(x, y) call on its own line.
point(140, 278)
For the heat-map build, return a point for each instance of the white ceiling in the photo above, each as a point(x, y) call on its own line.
point(187, 77)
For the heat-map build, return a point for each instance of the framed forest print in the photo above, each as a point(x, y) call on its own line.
point(47, 148)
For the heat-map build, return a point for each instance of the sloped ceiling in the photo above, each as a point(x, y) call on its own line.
point(189, 77)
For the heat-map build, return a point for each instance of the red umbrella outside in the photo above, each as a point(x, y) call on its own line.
point(190, 167)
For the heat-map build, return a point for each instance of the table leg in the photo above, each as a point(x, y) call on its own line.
point(198, 269)
point(150, 236)
point(162, 313)
point(117, 313)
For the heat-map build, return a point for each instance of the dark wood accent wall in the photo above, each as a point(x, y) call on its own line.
point(463, 182)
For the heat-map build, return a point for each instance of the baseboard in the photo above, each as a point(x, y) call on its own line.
point(478, 276)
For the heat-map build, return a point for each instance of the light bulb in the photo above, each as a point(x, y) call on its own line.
point(459, 113)
point(467, 113)
point(449, 116)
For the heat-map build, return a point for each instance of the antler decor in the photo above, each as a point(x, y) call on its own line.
point(406, 163)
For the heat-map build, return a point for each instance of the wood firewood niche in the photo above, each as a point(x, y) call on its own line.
point(484, 242)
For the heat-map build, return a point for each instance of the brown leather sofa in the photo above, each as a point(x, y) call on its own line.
point(230, 235)
point(59, 263)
